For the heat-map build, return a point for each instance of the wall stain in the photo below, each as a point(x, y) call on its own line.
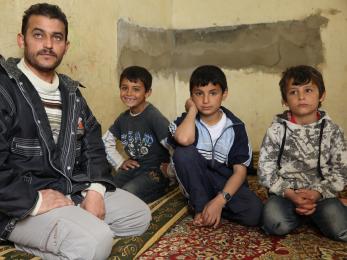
point(266, 47)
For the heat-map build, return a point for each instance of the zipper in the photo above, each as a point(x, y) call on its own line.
point(37, 122)
point(214, 145)
point(20, 85)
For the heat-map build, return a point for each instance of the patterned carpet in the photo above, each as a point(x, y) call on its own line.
point(171, 235)
point(233, 241)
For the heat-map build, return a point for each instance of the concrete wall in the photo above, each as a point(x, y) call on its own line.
point(253, 41)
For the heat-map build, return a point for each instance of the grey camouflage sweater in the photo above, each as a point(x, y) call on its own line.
point(298, 167)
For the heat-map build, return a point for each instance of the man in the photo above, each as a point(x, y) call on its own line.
point(57, 198)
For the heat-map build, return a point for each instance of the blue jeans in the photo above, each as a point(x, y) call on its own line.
point(280, 218)
point(202, 181)
point(148, 184)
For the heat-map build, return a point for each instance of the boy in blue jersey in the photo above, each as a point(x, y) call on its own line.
point(212, 154)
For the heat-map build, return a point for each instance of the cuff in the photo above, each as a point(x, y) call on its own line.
point(37, 206)
point(98, 187)
point(325, 194)
point(279, 188)
point(119, 164)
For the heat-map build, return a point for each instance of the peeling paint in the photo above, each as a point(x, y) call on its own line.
point(267, 47)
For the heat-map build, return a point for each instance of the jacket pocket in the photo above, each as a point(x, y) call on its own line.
point(26, 147)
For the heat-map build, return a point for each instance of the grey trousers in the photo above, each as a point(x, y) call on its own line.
point(72, 233)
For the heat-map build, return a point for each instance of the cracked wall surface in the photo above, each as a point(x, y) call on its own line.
point(266, 47)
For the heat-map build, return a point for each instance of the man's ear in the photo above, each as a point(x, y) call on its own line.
point(67, 45)
point(225, 94)
point(20, 40)
point(148, 93)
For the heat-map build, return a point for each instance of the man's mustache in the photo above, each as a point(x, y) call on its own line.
point(47, 52)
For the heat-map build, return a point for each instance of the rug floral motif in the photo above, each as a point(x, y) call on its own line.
point(233, 241)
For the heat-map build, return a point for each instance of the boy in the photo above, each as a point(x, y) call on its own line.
point(212, 154)
point(303, 160)
point(142, 130)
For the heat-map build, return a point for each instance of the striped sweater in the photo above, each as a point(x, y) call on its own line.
point(50, 96)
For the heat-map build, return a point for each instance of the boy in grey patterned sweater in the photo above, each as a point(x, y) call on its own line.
point(303, 160)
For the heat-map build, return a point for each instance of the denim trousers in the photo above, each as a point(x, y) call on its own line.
point(202, 181)
point(330, 216)
point(147, 183)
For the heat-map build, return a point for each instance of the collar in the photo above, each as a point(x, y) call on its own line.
point(40, 85)
point(292, 119)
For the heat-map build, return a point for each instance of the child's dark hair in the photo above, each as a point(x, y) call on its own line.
point(44, 9)
point(135, 73)
point(206, 74)
point(301, 75)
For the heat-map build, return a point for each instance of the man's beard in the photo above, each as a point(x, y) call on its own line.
point(31, 59)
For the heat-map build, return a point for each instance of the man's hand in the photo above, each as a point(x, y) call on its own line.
point(129, 164)
point(52, 199)
point(94, 203)
point(211, 215)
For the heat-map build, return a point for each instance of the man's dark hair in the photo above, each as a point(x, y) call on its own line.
point(206, 74)
point(136, 73)
point(44, 9)
point(301, 75)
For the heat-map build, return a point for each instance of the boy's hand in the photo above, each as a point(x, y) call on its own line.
point(304, 200)
point(311, 197)
point(306, 209)
point(344, 201)
point(129, 164)
point(297, 198)
point(190, 106)
point(211, 215)
point(307, 194)
point(164, 169)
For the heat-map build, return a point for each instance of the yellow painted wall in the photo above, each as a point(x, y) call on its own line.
point(253, 95)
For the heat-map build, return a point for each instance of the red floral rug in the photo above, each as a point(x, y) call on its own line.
point(233, 241)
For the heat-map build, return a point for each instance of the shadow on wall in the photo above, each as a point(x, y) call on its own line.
point(268, 47)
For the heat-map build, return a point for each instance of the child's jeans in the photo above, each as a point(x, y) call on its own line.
point(202, 182)
point(148, 184)
point(280, 218)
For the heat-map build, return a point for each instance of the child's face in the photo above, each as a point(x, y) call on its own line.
point(133, 95)
point(208, 100)
point(303, 101)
